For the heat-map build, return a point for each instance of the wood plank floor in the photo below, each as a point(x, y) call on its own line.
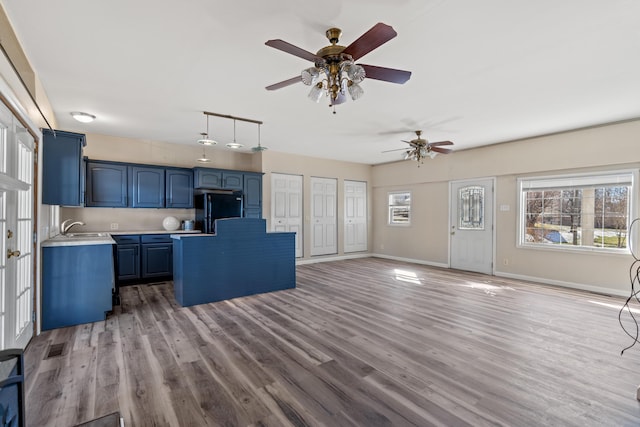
point(366, 342)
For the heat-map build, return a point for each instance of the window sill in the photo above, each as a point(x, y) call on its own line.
point(576, 250)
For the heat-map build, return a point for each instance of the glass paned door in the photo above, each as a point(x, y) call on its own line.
point(16, 228)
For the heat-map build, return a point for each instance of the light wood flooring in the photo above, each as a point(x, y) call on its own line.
point(366, 342)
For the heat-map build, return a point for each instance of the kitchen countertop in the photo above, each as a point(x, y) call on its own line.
point(79, 239)
point(123, 233)
point(102, 237)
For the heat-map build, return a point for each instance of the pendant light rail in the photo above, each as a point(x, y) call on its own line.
point(227, 116)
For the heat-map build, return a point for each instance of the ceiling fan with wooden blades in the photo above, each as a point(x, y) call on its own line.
point(335, 72)
point(421, 148)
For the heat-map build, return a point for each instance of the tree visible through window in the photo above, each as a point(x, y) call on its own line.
point(590, 211)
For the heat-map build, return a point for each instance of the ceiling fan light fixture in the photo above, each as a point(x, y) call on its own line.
point(316, 93)
point(310, 76)
point(83, 117)
point(355, 73)
point(355, 90)
point(432, 154)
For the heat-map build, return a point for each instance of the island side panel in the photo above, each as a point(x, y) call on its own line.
point(77, 284)
point(232, 264)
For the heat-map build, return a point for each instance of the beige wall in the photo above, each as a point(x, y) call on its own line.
point(274, 162)
point(426, 240)
point(103, 147)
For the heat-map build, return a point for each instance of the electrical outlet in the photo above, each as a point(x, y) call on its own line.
point(114, 225)
point(505, 261)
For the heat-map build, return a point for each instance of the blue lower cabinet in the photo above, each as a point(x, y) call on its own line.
point(157, 260)
point(145, 256)
point(77, 284)
point(127, 265)
point(128, 262)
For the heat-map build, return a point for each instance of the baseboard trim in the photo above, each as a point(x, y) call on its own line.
point(411, 260)
point(328, 258)
point(563, 284)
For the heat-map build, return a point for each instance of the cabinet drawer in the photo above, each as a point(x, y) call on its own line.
point(156, 238)
point(126, 240)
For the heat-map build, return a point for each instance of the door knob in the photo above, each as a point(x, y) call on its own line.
point(11, 253)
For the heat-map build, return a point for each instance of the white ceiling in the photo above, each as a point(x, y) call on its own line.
point(483, 71)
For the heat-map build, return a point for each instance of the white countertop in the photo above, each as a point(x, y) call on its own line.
point(103, 237)
point(79, 239)
point(126, 233)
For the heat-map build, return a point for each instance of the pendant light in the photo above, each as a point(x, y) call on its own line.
point(204, 158)
point(234, 145)
point(259, 148)
point(205, 140)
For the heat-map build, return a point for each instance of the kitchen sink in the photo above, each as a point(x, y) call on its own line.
point(85, 235)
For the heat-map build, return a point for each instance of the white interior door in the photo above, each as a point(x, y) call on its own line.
point(16, 228)
point(324, 210)
point(471, 225)
point(286, 206)
point(355, 216)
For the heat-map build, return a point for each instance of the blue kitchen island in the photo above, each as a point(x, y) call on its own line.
point(240, 259)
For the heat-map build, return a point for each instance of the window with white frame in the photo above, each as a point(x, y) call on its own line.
point(400, 208)
point(571, 212)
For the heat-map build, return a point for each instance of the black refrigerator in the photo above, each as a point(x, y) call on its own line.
point(212, 205)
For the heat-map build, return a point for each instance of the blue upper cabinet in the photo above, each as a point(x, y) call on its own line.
point(179, 188)
point(126, 185)
point(147, 186)
point(62, 171)
point(250, 183)
point(107, 184)
point(207, 178)
point(232, 180)
point(252, 192)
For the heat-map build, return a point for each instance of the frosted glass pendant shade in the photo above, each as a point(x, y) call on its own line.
point(355, 91)
point(310, 76)
point(316, 93)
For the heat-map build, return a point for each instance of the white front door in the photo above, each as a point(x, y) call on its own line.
point(324, 210)
point(286, 206)
point(471, 225)
point(16, 231)
point(355, 216)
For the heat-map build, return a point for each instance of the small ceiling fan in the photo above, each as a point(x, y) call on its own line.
point(421, 148)
point(335, 73)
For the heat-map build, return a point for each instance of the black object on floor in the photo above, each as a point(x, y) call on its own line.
point(111, 420)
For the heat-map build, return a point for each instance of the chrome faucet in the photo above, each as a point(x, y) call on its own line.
point(64, 228)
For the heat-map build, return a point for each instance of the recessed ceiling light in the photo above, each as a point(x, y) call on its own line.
point(83, 117)
point(235, 145)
